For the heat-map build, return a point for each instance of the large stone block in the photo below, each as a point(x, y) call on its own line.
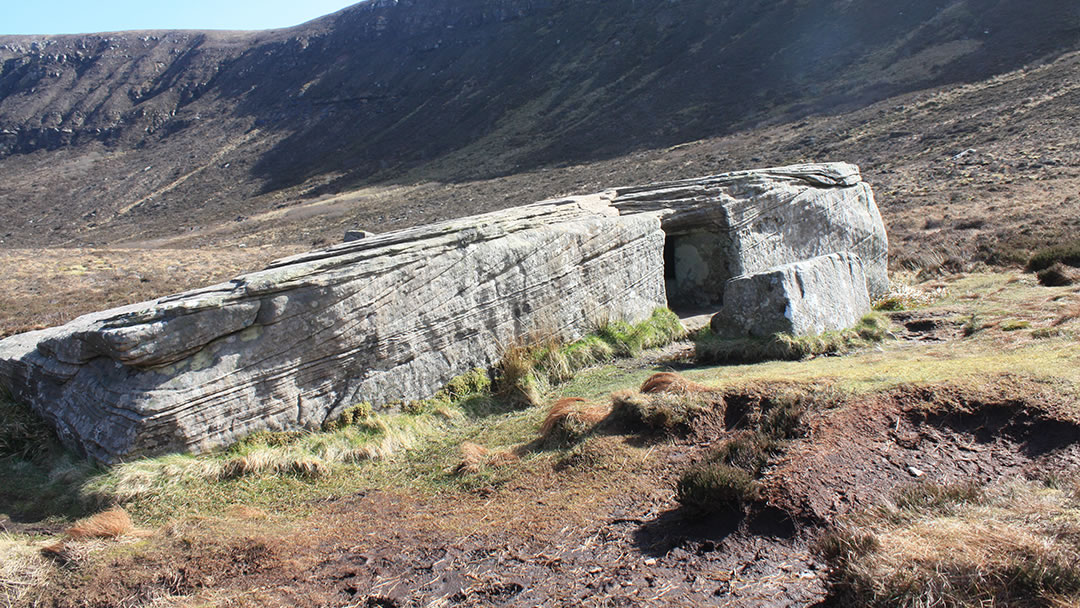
point(821, 294)
point(389, 317)
point(395, 316)
point(729, 225)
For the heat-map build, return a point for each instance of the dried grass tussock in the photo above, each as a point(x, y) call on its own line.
point(670, 382)
point(572, 417)
point(475, 457)
point(107, 524)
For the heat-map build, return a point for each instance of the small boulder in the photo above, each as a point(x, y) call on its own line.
point(356, 235)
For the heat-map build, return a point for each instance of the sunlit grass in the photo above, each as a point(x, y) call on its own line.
point(1012, 543)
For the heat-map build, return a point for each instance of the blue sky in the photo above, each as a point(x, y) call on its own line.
point(85, 16)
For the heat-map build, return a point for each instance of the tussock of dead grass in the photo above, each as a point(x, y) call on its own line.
point(107, 524)
point(1013, 544)
point(559, 410)
point(475, 457)
point(572, 418)
point(670, 382)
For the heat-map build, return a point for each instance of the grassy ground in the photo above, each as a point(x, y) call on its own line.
point(419, 453)
point(1010, 543)
point(42, 288)
point(993, 299)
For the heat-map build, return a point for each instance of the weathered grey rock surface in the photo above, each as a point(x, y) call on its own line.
point(733, 224)
point(396, 315)
point(821, 294)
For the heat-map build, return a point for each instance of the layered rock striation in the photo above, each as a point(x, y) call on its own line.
point(395, 316)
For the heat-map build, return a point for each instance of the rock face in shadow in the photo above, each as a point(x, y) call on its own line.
point(395, 316)
point(813, 296)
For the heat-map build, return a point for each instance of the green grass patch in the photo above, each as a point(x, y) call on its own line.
point(711, 348)
point(532, 367)
point(1014, 325)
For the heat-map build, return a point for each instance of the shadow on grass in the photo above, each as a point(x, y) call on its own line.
point(39, 478)
point(48, 486)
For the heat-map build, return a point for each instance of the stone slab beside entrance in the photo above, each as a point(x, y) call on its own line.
point(804, 298)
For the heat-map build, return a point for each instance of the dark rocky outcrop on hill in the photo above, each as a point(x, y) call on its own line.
point(104, 135)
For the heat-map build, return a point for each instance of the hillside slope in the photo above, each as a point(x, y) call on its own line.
point(110, 137)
